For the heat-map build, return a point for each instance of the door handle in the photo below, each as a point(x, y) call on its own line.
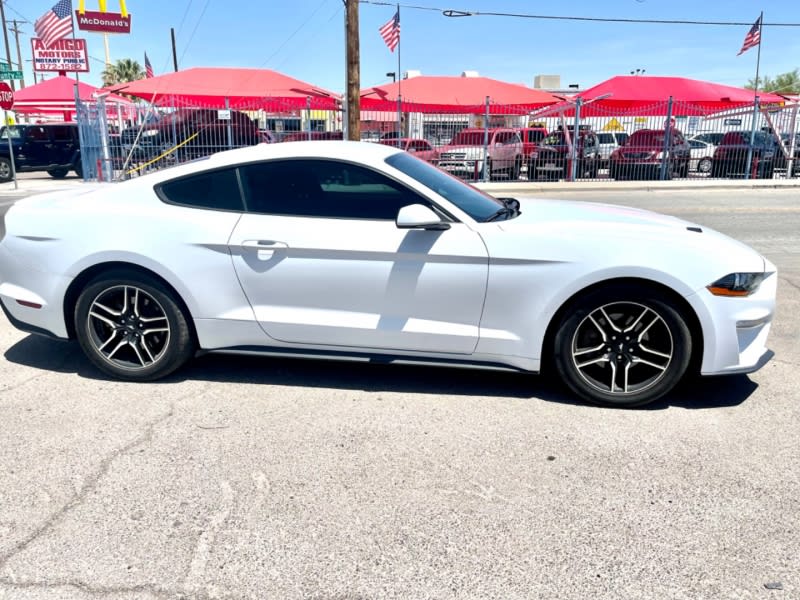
point(265, 248)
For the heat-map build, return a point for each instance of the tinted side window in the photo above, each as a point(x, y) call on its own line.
point(217, 190)
point(62, 134)
point(37, 134)
point(323, 188)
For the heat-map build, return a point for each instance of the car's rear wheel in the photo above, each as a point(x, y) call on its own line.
point(78, 168)
point(623, 345)
point(704, 166)
point(132, 327)
point(5, 170)
point(57, 173)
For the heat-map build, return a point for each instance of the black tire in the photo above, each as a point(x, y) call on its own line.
point(78, 168)
point(532, 170)
point(516, 169)
point(5, 170)
point(126, 338)
point(58, 173)
point(592, 361)
point(704, 165)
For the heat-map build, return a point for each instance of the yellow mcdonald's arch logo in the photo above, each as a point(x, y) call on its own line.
point(102, 4)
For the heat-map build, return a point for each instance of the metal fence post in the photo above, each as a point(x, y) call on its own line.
point(308, 116)
point(752, 139)
point(104, 150)
point(174, 116)
point(399, 119)
point(576, 136)
point(667, 143)
point(230, 128)
point(486, 174)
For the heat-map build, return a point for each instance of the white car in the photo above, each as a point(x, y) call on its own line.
point(362, 251)
point(701, 156)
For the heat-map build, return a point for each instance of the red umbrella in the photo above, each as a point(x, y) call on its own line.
point(57, 96)
point(243, 88)
point(453, 95)
point(648, 96)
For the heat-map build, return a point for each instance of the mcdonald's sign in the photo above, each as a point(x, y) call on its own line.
point(101, 20)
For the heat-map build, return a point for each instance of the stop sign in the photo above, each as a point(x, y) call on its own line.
point(6, 96)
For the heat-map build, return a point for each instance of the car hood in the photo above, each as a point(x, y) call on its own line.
point(634, 236)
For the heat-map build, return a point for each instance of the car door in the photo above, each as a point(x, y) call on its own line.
point(36, 147)
point(322, 262)
point(63, 148)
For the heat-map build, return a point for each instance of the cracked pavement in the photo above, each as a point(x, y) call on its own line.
point(262, 478)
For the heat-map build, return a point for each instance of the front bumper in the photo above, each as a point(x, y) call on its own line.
point(736, 329)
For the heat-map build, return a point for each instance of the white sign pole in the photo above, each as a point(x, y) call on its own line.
point(10, 150)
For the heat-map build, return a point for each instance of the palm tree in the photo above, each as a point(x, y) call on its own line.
point(123, 71)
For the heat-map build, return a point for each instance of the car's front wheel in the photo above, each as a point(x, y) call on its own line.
point(623, 345)
point(132, 327)
point(57, 173)
point(5, 170)
point(704, 166)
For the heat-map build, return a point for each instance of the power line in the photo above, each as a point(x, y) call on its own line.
point(454, 13)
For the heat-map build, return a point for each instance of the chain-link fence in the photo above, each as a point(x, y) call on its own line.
point(575, 140)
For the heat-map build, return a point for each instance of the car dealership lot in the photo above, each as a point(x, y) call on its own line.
point(260, 478)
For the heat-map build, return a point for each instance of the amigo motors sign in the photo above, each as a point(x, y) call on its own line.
point(103, 21)
point(66, 54)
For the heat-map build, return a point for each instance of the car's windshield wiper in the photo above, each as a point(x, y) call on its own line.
point(509, 210)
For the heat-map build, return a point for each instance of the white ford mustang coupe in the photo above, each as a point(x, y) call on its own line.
point(361, 251)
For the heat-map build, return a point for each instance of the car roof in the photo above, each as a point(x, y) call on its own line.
point(362, 152)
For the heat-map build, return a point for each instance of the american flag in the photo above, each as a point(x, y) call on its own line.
point(55, 24)
point(391, 31)
point(148, 68)
point(753, 37)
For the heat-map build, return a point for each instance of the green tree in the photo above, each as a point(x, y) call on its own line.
point(122, 71)
point(785, 83)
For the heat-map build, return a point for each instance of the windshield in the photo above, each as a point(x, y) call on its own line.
point(554, 139)
point(471, 200)
point(469, 138)
point(16, 133)
point(606, 138)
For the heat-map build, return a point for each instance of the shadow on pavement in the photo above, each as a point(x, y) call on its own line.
point(66, 357)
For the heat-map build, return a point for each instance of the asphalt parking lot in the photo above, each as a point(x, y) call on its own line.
point(266, 478)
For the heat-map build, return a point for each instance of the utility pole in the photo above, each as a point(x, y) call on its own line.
point(353, 71)
point(174, 51)
point(17, 31)
point(5, 37)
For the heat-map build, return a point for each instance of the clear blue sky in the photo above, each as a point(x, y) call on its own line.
point(305, 38)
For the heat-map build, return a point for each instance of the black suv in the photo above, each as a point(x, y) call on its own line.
point(51, 147)
point(551, 159)
point(188, 133)
point(730, 157)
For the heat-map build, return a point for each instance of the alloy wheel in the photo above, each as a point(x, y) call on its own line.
point(622, 348)
point(128, 327)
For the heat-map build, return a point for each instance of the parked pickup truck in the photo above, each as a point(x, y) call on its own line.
point(465, 156)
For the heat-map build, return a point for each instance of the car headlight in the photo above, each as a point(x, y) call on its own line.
point(150, 133)
point(737, 284)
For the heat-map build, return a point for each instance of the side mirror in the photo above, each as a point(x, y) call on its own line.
point(417, 216)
